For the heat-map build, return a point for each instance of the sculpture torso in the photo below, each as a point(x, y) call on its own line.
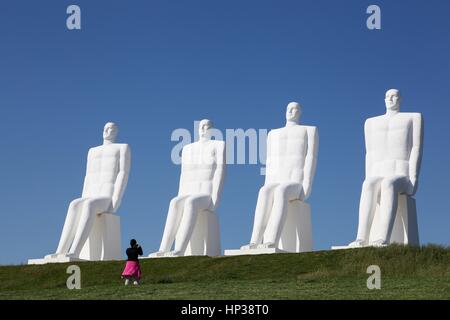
point(389, 143)
point(102, 170)
point(286, 154)
point(199, 163)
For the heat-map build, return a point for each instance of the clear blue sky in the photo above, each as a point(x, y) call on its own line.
point(154, 66)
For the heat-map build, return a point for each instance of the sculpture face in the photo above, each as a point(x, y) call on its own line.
point(293, 111)
point(203, 129)
point(392, 100)
point(110, 131)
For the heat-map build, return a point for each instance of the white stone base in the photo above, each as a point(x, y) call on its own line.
point(405, 230)
point(296, 235)
point(205, 238)
point(154, 255)
point(240, 252)
point(54, 259)
point(344, 247)
point(102, 244)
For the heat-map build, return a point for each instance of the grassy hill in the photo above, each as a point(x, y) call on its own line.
point(406, 273)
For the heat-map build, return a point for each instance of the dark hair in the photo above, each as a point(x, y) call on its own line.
point(133, 242)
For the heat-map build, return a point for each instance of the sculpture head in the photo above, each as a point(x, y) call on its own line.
point(392, 100)
point(204, 131)
point(110, 132)
point(293, 112)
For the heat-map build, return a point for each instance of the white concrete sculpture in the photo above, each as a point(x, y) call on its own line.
point(191, 220)
point(92, 229)
point(282, 221)
point(387, 211)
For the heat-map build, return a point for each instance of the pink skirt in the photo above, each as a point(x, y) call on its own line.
point(132, 269)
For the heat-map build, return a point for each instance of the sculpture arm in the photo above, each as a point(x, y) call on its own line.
point(310, 160)
point(84, 193)
point(122, 177)
point(86, 177)
point(415, 157)
point(267, 179)
point(219, 174)
point(368, 149)
point(181, 186)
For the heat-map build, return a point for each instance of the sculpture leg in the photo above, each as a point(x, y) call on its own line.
point(70, 224)
point(192, 205)
point(367, 205)
point(262, 213)
point(90, 209)
point(172, 223)
point(390, 188)
point(282, 194)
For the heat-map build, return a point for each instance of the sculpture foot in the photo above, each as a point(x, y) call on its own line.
point(249, 246)
point(358, 243)
point(157, 254)
point(268, 245)
point(379, 243)
point(51, 256)
point(173, 254)
point(60, 255)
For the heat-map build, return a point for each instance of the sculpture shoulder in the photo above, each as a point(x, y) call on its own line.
point(274, 132)
point(414, 115)
point(311, 129)
point(94, 150)
point(187, 147)
point(298, 129)
point(219, 144)
point(124, 147)
point(115, 147)
point(373, 119)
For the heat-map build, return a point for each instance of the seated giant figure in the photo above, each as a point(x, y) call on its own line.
point(192, 226)
point(282, 217)
point(92, 230)
point(387, 211)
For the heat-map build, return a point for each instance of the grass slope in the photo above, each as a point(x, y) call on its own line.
point(406, 273)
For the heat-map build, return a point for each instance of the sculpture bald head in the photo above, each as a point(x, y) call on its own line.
point(293, 112)
point(204, 127)
point(393, 100)
point(110, 132)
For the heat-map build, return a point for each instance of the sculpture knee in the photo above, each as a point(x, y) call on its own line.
point(174, 202)
point(388, 185)
point(190, 206)
point(281, 192)
point(264, 191)
point(370, 185)
point(89, 208)
point(75, 203)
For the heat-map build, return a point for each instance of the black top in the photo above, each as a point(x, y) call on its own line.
point(133, 253)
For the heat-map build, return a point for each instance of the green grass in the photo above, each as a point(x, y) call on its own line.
point(406, 273)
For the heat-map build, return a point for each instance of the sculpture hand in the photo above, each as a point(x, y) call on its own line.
point(413, 189)
point(212, 206)
point(304, 193)
point(114, 205)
